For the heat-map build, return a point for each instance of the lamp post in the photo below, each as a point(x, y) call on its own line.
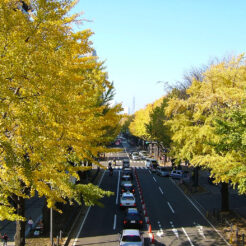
point(51, 226)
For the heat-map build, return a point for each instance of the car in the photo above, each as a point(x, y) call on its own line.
point(126, 177)
point(125, 163)
point(162, 171)
point(150, 162)
point(130, 237)
point(135, 156)
point(127, 171)
point(177, 174)
point(127, 199)
point(133, 219)
point(127, 186)
point(143, 154)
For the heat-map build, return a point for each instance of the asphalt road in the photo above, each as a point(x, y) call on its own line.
point(174, 218)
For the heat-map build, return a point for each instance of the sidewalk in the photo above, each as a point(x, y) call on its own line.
point(34, 208)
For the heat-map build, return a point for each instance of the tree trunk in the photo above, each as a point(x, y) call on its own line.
point(224, 197)
point(20, 225)
point(196, 176)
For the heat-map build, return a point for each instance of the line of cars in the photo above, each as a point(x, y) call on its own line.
point(133, 219)
point(153, 165)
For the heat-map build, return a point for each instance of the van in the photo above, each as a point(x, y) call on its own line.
point(151, 163)
point(177, 174)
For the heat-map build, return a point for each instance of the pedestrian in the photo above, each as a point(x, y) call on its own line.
point(5, 239)
point(30, 223)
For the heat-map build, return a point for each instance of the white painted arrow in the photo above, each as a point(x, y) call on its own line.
point(159, 233)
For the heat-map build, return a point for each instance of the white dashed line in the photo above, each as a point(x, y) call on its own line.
point(161, 190)
point(169, 205)
point(200, 212)
point(115, 218)
point(154, 179)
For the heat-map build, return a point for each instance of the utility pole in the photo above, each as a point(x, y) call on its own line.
point(133, 105)
point(51, 226)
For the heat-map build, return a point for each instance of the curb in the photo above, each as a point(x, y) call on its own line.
point(68, 237)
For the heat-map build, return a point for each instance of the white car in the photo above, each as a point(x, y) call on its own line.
point(127, 199)
point(177, 174)
point(135, 156)
point(162, 171)
point(131, 237)
point(143, 154)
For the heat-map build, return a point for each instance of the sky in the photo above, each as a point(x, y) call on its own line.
point(146, 41)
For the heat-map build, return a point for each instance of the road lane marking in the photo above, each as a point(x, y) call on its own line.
point(175, 231)
point(169, 205)
point(200, 212)
point(87, 212)
point(161, 190)
point(118, 186)
point(115, 219)
point(200, 229)
point(160, 231)
point(149, 171)
point(154, 179)
point(187, 236)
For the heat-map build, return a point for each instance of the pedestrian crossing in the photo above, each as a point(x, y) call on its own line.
point(137, 167)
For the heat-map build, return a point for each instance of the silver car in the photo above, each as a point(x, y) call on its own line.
point(131, 237)
point(162, 171)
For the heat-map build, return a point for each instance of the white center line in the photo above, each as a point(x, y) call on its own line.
point(149, 171)
point(115, 218)
point(170, 207)
point(161, 190)
point(118, 186)
point(187, 236)
point(154, 179)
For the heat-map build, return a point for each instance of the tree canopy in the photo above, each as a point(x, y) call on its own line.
point(53, 96)
point(197, 133)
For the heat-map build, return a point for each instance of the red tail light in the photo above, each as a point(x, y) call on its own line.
point(125, 222)
point(134, 204)
point(120, 204)
point(133, 190)
point(140, 221)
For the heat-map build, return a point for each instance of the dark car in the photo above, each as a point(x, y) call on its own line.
point(133, 219)
point(126, 177)
point(153, 167)
point(127, 171)
point(125, 163)
point(127, 186)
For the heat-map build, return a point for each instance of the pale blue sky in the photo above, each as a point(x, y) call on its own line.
point(143, 42)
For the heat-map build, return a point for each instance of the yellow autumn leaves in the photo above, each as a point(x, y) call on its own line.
point(207, 126)
point(52, 98)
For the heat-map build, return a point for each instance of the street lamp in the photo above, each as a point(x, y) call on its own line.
point(51, 226)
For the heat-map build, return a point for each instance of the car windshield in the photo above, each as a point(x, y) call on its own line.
point(124, 198)
point(164, 169)
point(131, 238)
point(133, 217)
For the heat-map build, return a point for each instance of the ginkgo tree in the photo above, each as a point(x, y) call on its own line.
point(192, 121)
point(50, 91)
